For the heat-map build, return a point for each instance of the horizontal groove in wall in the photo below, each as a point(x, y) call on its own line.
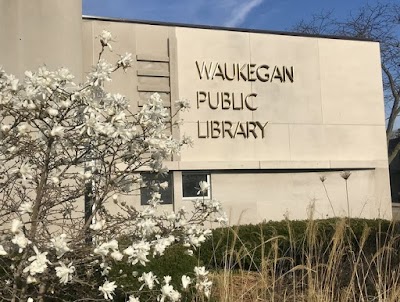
point(152, 58)
point(153, 73)
point(166, 103)
point(147, 88)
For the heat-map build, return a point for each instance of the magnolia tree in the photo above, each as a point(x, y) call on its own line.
point(63, 143)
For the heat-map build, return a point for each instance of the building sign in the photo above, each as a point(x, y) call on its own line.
point(226, 101)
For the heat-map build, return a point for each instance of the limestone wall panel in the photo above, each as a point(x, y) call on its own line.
point(275, 147)
point(351, 82)
point(42, 32)
point(288, 102)
point(251, 198)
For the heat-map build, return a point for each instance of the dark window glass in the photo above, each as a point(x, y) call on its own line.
point(151, 179)
point(190, 184)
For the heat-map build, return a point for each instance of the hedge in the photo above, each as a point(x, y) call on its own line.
point(175, 262)
point(246, 246)
point(249, 246)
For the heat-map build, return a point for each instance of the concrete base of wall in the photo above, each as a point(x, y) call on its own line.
point(396, 211)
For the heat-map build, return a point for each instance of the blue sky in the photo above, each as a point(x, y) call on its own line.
point(252, 14)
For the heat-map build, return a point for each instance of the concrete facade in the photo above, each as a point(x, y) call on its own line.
point(41, 32)
point(271, 113)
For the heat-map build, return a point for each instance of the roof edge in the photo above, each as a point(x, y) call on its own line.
point(236, 29)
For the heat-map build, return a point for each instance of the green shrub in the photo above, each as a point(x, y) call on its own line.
point(247, 246)
point(175, 263)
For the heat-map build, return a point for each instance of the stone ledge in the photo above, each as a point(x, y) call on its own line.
point(275, 165)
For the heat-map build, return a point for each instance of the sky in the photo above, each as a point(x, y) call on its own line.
point(280, 15)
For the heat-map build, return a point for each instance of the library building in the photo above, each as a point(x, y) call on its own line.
point(284, 125)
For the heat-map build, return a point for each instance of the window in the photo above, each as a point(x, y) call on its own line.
point(190, 184)
point(150, 179)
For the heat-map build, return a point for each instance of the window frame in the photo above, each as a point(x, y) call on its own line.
point(170, 176)
point(208, 179)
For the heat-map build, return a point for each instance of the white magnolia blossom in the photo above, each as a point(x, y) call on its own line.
point(171, 217)
point(168, 292)
point(55, 180)
point(200, 271)
point(106, 38)
point(22, 128)
point(186, 281)
point(149, 280)
point(63, 74)
point(65, 272)
point(2, 251)
point(98, 225)
point(195, 237)
point(13, 81)
point(26, 207)
point(21, 241)
point(138, 252)
point(104, 248)
point(65, 104)
point(16, 226)
point(85, 175)
point(19, 238)
point(5, 128)
point(117, 255)
point(204, 186)
point(30, 280)
point(222, 219)
point(125, 61)
point(101, 74)
point(25, 171)
point(183, 104)
point(38, 263)
point(164, 185)
point(147, 226)
point(57, 131)
point(133, 299)
point(59, 243)
point(107, 289)
point(52, 111)
point(203, 284)
point(161, 244)
point(105, 269)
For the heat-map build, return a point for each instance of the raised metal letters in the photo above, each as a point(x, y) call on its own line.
point(223, 100)
point(228, 129)
point(245, 72)
point(226, 100)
